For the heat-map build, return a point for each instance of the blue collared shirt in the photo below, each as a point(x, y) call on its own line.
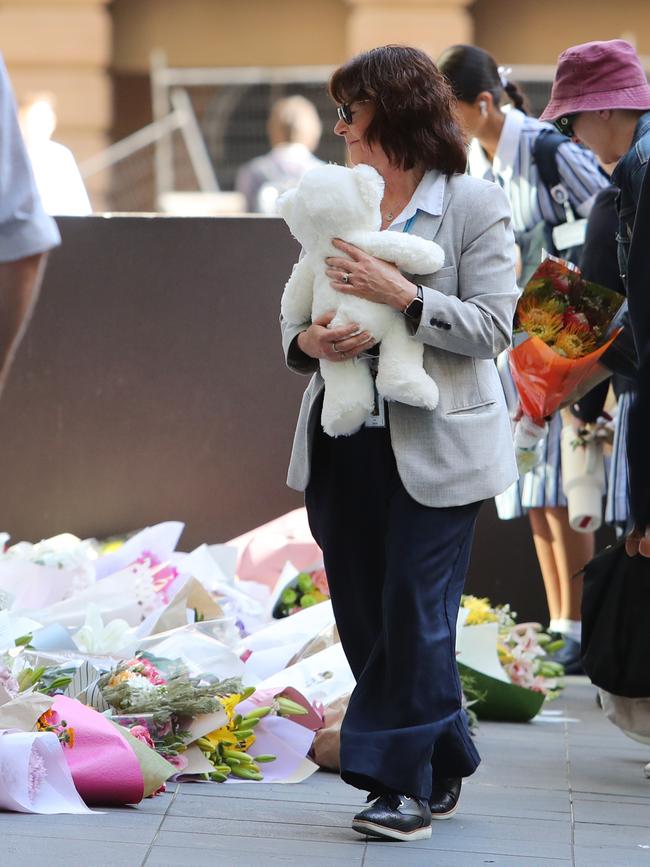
point(25, 228)
point(515, 170)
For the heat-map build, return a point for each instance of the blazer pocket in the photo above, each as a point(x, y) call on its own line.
point(474, 408)
point(445, 280)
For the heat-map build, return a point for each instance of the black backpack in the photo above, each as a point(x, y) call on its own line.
point(533, 242)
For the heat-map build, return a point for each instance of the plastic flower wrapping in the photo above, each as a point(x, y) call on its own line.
point(561, 330)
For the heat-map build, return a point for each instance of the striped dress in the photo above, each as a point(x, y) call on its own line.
point(514, 169)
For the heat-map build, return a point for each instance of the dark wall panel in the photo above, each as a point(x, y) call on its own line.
point(151, 385)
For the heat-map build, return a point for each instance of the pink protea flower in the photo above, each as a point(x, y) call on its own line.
point(142, 734)
point(320, 581)
point(178, 761)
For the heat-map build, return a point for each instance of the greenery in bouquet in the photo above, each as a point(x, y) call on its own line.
point(228, 748)
point(306, 589)
point(567, 312)
point(524, 649)
point(50, 679)
point(138, 686)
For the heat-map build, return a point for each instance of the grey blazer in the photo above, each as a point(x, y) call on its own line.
point(462, 451)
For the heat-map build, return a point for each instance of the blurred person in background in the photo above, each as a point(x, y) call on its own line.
point(58, 179)
point(508, 148)
point(26, 232)
point(601, 97)
point(294, 130)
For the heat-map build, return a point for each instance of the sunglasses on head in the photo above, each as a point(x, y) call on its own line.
point(565, 125)
point(344, 110)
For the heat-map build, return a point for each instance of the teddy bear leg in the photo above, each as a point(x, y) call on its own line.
point(401, 375)
point(349, 396)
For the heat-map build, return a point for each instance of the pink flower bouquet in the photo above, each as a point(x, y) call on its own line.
point(109, 766)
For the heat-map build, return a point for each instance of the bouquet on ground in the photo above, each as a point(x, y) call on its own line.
point(305, 590)
point(192, 722)
point(228, 748)
point(561, 330)
point(64, 750)
point(510, 664)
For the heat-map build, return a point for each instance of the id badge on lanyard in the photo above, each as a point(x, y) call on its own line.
point(377, 417)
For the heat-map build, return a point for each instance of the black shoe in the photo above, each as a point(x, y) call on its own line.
point(569, 656)
point(444, 797)
point(395, 817)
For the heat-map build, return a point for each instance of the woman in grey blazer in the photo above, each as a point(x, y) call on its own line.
point(393, 506)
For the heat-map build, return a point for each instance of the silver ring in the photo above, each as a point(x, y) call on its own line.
point(335, 349)
point(345, 278)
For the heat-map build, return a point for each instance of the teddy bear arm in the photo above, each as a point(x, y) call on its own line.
point(409, 252)
point(298, 294)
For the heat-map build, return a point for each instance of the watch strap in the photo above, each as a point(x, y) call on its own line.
point(413, 309)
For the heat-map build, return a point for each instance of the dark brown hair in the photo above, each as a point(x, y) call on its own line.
point(471, 70)
point(414, 118)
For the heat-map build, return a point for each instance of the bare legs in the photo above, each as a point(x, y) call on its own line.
point(561, 553)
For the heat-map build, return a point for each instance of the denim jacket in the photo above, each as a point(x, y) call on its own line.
point(628, 177)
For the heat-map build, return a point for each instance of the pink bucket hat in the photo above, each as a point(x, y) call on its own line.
point(597, 75)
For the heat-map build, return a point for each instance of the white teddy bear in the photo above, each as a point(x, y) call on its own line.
point(336, 202)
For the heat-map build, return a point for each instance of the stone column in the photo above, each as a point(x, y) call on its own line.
point(431, 25)
point(64, 46)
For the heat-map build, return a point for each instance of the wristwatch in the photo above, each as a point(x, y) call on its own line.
point(413, 310)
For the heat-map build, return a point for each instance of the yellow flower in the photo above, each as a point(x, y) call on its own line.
point(222, 736)
point(505, 657)
point(542, 322)
point(120, 677)
point(480, 611)
point(574, 342)
point(229, 703)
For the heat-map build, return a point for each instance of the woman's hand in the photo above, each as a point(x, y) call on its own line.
point(368, 277)
point(334, 344)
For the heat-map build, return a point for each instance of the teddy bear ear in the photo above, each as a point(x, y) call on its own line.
point(370, 183)
point(284, 204)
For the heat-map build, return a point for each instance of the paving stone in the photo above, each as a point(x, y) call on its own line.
point(223, 809)
point(21, 851)
point(612, 813)
point(590, 856)
point(393, 853)
point(619, 837)
point(254, 852)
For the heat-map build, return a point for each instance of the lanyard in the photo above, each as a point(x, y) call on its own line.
point(409, 222)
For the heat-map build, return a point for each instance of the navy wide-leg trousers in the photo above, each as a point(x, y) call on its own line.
point(396, 571)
